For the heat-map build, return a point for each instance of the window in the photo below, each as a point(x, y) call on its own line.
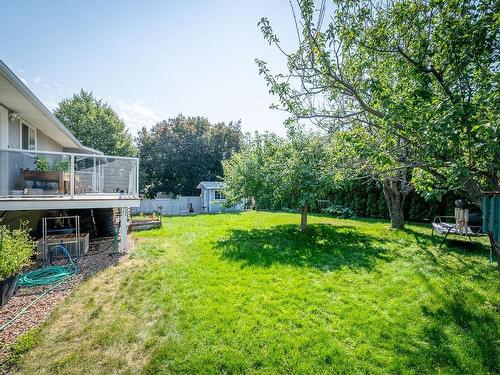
point(219, 195)
point(28, 137)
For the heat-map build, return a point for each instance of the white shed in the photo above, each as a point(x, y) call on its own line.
point(213, 198)
point(212, 195)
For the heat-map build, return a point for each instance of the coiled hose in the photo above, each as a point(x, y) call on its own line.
point(45, 276)
point(50, 274)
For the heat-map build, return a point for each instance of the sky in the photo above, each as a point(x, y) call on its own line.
point(150, 60)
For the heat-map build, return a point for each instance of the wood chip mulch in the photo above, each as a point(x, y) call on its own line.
point(98, 258)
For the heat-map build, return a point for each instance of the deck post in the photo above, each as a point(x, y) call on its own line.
point(123, 229)
point(94, 177)
point(72, 176)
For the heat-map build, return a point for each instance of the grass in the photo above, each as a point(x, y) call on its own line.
point(249, 293)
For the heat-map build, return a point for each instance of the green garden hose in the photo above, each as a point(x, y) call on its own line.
point(45, 276)
point(51, 274)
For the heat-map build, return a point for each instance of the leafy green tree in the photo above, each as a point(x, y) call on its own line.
point(361, 153)
point(278, 172)
point(178, 153)
point(95, 124)
point(419, 78)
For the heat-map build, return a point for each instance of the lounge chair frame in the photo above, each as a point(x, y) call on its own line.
point(446, 225)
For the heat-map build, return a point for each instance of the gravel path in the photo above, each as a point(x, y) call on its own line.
point(98, 258)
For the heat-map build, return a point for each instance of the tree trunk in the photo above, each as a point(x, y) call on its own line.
point(473, 191)
point(303, 219)
point(394, 199)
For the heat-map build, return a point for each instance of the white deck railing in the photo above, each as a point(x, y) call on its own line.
point(45, 173)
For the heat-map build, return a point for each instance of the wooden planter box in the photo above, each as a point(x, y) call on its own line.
point(62, 179)
point(145, 224)
point(7, 289)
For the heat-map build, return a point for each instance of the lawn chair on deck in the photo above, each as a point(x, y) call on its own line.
point(447, 225)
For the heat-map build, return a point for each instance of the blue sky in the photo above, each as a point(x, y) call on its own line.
point(150, 59)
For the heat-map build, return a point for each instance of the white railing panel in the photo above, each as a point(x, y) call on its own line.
point(40, 173)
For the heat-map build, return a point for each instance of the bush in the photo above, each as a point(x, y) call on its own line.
point(16, 248)
point(338, 211)
point(23, 344)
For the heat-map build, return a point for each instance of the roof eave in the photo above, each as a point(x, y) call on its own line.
point(24, 90)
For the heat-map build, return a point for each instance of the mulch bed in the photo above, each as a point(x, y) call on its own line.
point(98, 258)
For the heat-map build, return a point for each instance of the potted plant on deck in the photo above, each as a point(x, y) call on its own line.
point(16, 248)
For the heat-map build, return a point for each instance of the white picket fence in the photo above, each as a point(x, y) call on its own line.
point(169, 206)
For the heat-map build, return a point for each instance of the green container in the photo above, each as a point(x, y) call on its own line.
point(491, 215)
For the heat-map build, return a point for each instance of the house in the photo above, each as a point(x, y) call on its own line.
point(44, 167)
point(213, 198)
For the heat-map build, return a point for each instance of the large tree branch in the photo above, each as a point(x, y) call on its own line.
point(438, 75)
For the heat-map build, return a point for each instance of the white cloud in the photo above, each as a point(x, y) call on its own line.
point(48, 83)
point(138, 113)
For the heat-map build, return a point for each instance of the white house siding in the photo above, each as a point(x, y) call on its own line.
point(45, 143)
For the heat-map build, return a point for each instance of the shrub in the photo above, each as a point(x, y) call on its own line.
point(16, 248)
point(338, 211)
point(23, 344)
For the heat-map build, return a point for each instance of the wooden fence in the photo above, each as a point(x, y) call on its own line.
point(169, 206)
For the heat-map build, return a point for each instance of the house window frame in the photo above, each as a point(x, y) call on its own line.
point(30, 128)
point(219, 192)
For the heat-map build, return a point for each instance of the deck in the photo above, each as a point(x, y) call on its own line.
point(68, 202)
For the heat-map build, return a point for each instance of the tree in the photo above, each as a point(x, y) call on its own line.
point(419, 77)
point(95, 124)
point(178, 153)
point(360, 153)
point(279, 172)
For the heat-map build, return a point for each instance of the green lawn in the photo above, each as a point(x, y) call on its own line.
point(249, 293)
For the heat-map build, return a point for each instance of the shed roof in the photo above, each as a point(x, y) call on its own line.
point(211, 185)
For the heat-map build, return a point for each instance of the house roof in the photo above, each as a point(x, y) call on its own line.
point(16, 96)
point(211, 185)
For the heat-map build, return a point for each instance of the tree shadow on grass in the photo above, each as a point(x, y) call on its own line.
point(322, 246)
point(466, 254)
point(460, 328)
point(460, 247)
point(458, 244)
